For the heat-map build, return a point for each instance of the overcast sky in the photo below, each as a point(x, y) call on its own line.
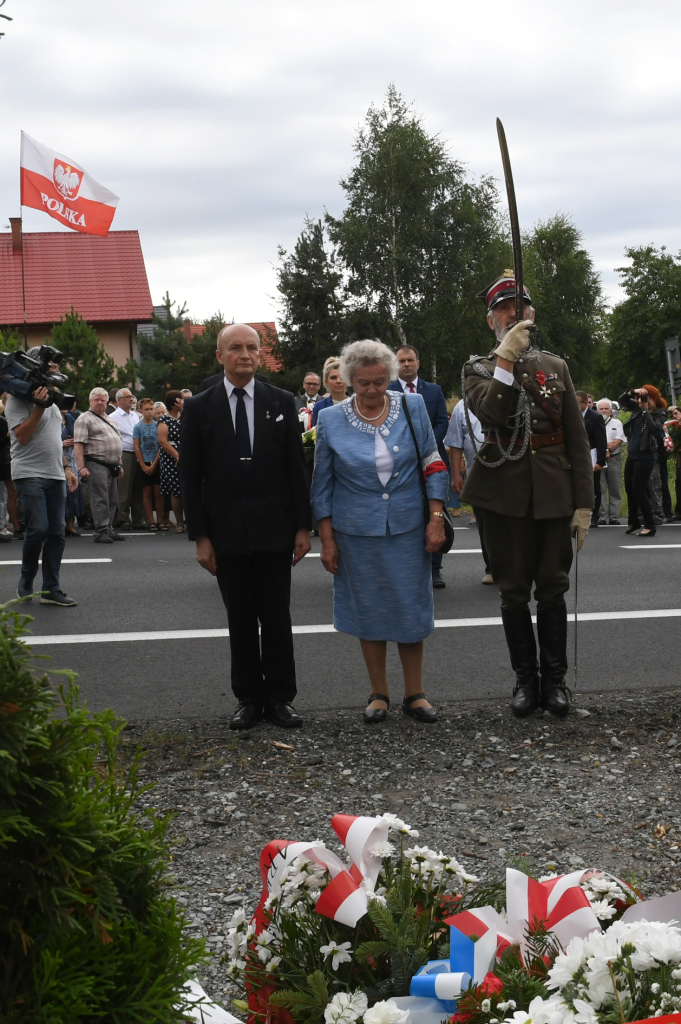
point(220, 124)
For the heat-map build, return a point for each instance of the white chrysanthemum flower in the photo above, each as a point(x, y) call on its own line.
point(547, 878)
point(420, 853)
point(238, 918)
point(274, 962)
point(486, 1005)
point(397, 825)
point(602, 909)
point(381, 850)
point(345, 1008)
point(340, 953)
point(373, 894)
point(235, 966)
point(386, 1012)
point(605, 887)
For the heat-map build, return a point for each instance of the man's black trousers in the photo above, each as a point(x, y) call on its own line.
point(256, 589)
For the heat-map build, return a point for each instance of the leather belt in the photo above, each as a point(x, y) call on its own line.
point(536, 440)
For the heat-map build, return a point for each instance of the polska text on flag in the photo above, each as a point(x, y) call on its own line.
point(55, 184)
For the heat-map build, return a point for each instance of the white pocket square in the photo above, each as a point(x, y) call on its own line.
point(279, 418)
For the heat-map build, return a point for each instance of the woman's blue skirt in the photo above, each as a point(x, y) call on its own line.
point(384, 588)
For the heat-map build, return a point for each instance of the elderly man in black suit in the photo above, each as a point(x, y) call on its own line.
point(246, 504)
point(598, 442)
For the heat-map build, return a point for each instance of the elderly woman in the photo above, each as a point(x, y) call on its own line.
point(335, 385)
point(367, 496)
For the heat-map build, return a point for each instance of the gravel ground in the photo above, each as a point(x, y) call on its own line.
point(596, 790)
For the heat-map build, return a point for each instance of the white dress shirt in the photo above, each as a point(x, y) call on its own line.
point(405, 385)
point(125, 422)
point(614, 431)
point(248, 401)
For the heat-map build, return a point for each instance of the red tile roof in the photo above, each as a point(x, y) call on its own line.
point(102, 278)
point(268, 337)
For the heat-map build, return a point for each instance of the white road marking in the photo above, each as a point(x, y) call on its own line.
point(65, 561)
point(644, 547)
point(216, 634)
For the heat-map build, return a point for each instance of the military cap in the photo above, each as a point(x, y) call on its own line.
point(501, 288)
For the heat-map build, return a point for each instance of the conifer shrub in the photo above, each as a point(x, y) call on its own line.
point(88, 929)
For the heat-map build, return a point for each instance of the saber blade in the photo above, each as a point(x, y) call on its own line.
point(515, 224)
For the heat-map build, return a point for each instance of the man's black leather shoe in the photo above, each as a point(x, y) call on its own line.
point(282, 714)
point(525, 698)
point(115, 536)
point(554, 699)
point(246, 716)
point(438, 582)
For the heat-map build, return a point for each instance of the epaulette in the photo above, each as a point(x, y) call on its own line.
point(545, 352)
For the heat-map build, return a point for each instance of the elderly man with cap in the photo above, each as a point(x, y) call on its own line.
point(533, 478)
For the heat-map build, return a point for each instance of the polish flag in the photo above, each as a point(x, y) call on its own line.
point(55, 184)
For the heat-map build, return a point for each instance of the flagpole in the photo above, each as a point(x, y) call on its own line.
point(23, 275)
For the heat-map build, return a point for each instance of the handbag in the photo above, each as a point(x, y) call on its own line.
point(448, 524)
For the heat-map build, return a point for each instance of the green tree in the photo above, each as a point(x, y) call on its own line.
point(312, 320)
point(9, 340)
point(639, 326)
point(566, 293)
point(85, 359)
point(416, 239)
point(88, 928)
point(163, 355)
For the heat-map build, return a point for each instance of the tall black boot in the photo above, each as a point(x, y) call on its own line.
point(552, 633)
point(523, 651)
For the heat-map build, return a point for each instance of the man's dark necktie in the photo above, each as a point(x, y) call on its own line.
point(411, 388)
point(243, 440)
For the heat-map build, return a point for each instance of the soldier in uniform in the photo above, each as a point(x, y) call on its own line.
point(533, 477)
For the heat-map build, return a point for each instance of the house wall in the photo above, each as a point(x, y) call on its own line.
point(115, 337)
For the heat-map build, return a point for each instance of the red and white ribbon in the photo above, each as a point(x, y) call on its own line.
point(345, 898)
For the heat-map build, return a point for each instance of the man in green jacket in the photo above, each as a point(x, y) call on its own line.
point(534, 479)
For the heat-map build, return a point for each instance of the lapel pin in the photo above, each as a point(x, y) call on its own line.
point(267, 414)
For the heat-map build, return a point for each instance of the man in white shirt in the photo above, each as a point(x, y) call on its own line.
point(129, 496)
point(462, 457)
point(611, 476)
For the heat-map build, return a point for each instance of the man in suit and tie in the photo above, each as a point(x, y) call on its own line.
point(246, 504)
point(409, 381)
point(598, 442)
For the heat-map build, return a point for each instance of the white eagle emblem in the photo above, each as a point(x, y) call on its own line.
point(67, 180)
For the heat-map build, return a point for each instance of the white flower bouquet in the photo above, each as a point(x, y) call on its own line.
point(332, 944)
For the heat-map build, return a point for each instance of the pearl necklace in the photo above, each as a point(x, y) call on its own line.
point(370, 419)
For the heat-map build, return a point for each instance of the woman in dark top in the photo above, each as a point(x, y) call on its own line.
point(644, 436)
point(169, 440)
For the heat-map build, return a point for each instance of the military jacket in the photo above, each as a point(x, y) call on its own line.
point(547, 482)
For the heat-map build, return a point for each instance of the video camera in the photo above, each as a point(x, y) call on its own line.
point(21, 374)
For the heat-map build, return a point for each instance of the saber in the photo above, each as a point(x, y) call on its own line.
point(576, 581)
point(515, 224)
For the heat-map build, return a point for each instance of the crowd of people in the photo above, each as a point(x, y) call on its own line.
point(108, 469)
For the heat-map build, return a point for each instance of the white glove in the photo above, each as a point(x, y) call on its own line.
point(579, 524)
point(516, 342)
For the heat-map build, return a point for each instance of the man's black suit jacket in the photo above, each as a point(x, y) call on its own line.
point(242, 510)
point(595, 431)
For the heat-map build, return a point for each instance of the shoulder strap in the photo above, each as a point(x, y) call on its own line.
point(416, 446)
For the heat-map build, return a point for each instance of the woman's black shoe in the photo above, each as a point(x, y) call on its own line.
point(632, 529)
point(374, 715)
point(421, 714)
point(649, 533)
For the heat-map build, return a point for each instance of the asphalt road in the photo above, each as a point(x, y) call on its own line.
point(153, 587)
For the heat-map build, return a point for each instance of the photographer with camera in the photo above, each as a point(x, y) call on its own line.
point(99, 456)
point(41, 476)
point(645, 435)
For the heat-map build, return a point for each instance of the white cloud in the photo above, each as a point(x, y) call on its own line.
point(221, 124)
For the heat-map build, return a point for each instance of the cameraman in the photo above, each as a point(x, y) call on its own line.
point(645, 435)
point(41, 477)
